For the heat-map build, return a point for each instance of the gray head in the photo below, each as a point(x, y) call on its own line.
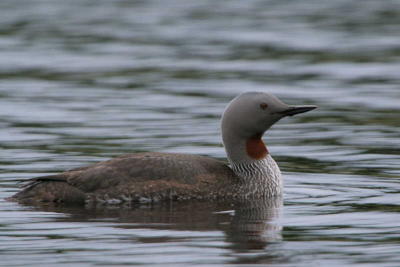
point(250, 114)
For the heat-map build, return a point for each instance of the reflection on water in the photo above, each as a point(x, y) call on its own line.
point(87, 80)
point(247, 225)
point(251, 225)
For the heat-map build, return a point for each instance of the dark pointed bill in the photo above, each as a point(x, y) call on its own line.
point(293, 110)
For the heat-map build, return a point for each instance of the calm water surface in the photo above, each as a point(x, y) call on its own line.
point(84, 81)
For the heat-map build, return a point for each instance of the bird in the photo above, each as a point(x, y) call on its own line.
point(249, 173)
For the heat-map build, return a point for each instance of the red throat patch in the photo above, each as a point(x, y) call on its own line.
point(256, 148)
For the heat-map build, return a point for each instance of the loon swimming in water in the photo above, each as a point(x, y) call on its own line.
point(152, 176)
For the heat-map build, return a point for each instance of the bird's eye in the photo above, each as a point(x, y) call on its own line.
point(263, 105)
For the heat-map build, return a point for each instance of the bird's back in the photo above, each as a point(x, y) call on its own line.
point(133, 177)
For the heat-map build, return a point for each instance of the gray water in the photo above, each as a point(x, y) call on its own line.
point(84, 81)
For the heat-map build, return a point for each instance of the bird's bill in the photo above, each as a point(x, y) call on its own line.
point(293, 110)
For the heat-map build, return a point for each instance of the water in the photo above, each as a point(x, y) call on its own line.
point(84, 81)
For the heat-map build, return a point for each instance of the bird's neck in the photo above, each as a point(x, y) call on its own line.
point(245, 150)
point(250, 160)
point(255, 147)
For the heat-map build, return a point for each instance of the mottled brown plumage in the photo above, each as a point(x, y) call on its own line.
point(137, 177)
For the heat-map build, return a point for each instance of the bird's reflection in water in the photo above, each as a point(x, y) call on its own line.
point(248, 225)
point(255, 224)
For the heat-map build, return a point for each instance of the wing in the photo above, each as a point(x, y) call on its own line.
point(143, 167)
point(141, 173)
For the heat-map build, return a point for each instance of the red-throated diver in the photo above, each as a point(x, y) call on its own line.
point(155, 176)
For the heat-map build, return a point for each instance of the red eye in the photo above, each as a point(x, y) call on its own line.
point(263, 105)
